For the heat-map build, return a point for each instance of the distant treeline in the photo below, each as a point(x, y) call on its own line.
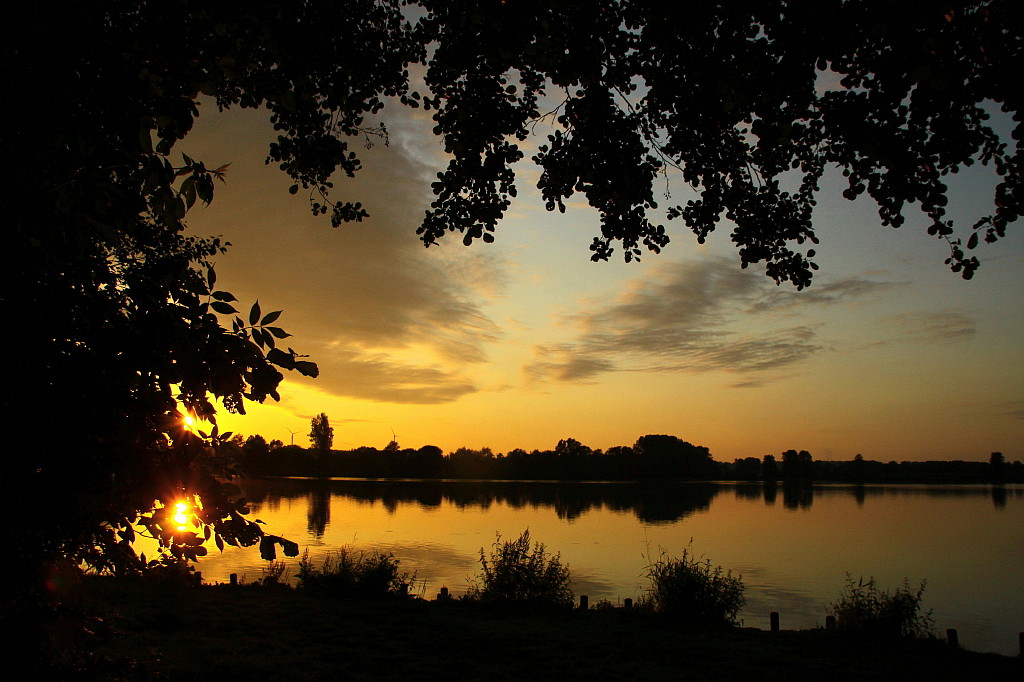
point(801, 466)
point(651, 457)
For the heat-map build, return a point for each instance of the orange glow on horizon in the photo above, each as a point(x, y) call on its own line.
point(864, 369)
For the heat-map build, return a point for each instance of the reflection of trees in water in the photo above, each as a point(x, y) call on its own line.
point(650, 502)
point(662, 502)
point(801, 496)
point(748, 491)
point(666, 503)
point(962, 491)
point(797, 495)
point(318, 512)
point(999, 496)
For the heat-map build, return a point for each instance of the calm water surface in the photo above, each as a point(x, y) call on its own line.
point(793, 549)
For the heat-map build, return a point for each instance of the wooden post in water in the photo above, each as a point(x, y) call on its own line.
point(627, 603)
point(584, 602)
point(952, 638)
point(233, 579)
point(773, 618)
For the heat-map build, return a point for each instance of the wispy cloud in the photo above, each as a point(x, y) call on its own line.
point(691, 317)
point(385, 318)
point(346, 371)
point(568, 362)
point(1014, 410)
point(823, 293)
point(334, 420)
point(946, 326)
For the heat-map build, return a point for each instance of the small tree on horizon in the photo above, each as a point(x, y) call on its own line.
point(997, 466)
point(321, 434)
point(570, 447)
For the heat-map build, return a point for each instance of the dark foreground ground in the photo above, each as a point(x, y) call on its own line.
point(173, 632)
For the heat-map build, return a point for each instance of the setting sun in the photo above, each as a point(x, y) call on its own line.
point(181, 517)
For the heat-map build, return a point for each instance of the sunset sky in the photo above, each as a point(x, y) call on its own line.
point(525, 341)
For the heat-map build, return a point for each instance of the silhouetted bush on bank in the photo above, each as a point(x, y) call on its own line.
point(864, 607)
point(691, 589)
point(350, 573)
point(518, 572)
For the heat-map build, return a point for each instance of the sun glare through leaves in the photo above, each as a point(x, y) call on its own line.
point(181, 517)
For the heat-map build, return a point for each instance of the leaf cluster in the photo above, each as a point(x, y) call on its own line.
point(750, 102)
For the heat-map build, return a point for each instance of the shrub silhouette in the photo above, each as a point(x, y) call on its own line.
point(351, 573)
point(863, 607)
point(519, 572)
point(690, 589)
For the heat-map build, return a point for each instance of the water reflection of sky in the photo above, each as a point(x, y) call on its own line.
point(792, 547)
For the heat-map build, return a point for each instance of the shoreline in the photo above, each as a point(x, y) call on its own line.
point(218, 631)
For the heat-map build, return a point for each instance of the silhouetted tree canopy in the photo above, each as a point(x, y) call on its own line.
point(570, 447)
point(256, 446)
point(660, 455)
point(750, 101)
point(797, 465)
point(117, 313)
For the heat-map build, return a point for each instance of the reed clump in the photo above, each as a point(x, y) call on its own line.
point(274, 572)
point(348, 572)
point(521, 571)
point(690, 589)
point(865, 607)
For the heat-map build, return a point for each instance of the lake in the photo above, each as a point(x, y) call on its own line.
point(793, 548)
